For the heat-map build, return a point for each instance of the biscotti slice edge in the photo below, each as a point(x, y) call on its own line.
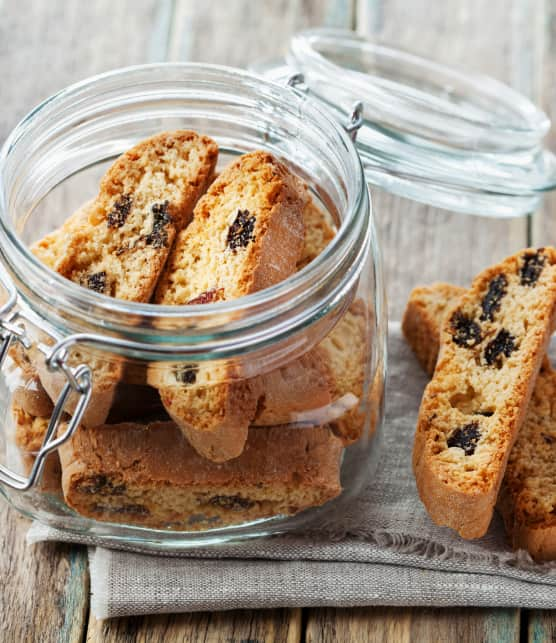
point(527, 498)
point(491, 349)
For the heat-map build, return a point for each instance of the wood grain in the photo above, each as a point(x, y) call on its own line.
point(44, 47)
point(242, 32)
point(272, 626)
point(541, 627)
point(401, 625)
point(43, 588)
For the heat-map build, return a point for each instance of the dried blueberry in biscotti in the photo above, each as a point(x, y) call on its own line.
point(247, 234)
point(491, 348)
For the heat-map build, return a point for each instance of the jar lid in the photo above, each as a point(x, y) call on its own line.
point(430, 133)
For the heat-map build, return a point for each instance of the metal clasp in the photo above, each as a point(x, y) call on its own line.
point(355, 120)
point(356, 116)
point(79, 382)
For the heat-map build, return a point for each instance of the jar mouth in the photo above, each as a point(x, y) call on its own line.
point(98, 118)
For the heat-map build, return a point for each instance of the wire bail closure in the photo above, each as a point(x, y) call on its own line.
point(356, 117)
point(79, 382)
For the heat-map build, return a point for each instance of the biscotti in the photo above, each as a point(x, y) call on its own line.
point(53, 247)
point(425, 311)
point(145, 198)
point(29, 435)
point(319, 232)
point(492, 345)
point(28, 392)
point(151, 476)
point(118, 244)
point(246, 234)
point(347, 348)
point(527, 499)
point(325, 385)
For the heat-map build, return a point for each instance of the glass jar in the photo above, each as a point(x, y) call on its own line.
point(463, 142)
point(312, 346)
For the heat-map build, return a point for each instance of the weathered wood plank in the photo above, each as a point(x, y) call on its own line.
point(45, 46)
point(241, 33)
point(412, 624)
point(51, 44)
point(261, 626)
point(420, 243)
point(43, 589)
point(541, 627)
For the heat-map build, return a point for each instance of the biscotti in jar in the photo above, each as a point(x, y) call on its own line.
point(193, 311)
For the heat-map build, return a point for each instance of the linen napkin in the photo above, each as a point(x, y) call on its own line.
point(382, 549)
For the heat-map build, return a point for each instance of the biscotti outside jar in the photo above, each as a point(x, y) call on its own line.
point(87, 445)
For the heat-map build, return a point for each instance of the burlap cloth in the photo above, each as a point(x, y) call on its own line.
point(383, 550)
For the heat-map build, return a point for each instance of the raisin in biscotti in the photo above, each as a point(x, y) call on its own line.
point(492, 344)
point(247, 234)
point(150, 475)
point(527, 499)
point(118, 244)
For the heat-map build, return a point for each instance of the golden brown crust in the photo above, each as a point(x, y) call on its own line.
point(150, 475)
point(420, 324)
point(29, 394)
point(319, 232)
point(246, 235)
point(527, 499)
point(291, 392)
point(491, 350)
point(29, 435)
point(51, 248)
point(215, 419)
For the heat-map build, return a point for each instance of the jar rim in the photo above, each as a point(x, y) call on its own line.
point(120, 316)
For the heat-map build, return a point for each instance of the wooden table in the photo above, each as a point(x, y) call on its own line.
point(45, 45)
